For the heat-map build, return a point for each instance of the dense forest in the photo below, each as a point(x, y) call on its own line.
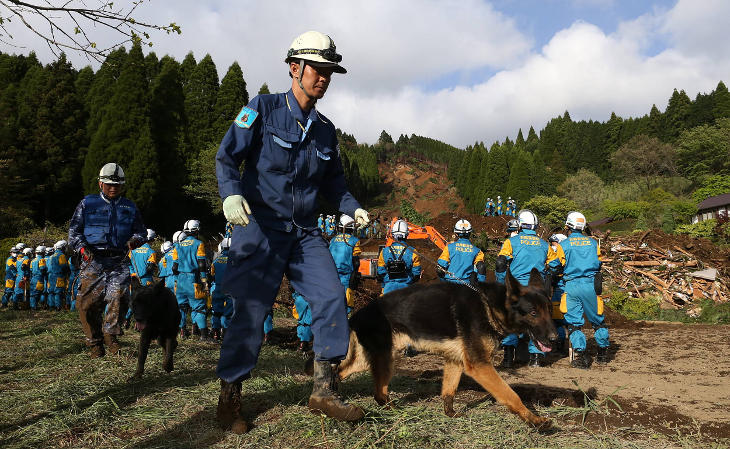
point(162, 120)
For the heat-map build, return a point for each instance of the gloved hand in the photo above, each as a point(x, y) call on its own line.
point(361, 217)
point(235, 209)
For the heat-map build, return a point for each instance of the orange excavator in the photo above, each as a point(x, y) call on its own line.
point(369, 265)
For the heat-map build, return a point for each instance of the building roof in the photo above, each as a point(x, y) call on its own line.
point(715, 201)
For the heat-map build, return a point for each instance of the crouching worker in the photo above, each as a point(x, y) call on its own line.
point(291, 156)
point(103, 229)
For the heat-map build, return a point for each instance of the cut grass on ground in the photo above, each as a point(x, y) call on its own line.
point(54, 395)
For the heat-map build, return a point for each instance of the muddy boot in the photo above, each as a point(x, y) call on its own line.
point(325, 399)
point(111, 342)
point(602, 356)
point(96, 351)
point(303, 346)
point(580, 360)
point(509, 357)
point(536, 360)
point(205, 335)
point(229, 408)
point(196, 329)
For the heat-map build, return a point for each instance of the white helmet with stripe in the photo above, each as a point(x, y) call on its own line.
point(462, 228)
point(527, 219)
point(576, 221)
point(400, 230)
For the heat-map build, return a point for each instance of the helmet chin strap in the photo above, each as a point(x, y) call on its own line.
point(299, 81)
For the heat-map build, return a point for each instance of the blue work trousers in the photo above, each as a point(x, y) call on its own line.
point(581, 299)
point(186, 296)
point(304, 323)
point(222, 311)
point(258, 259)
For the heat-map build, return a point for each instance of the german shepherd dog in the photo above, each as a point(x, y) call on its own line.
point(156, 316)
point(462, 325)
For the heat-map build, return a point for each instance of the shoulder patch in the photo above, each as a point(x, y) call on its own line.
point(246, 117)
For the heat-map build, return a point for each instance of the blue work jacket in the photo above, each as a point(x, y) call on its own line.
point(527, 251)
point(289, 159)
point(104, 224)
point(579, 254)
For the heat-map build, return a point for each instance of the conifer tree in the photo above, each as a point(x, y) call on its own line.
point(186, 69)
point(201, 93)
point(721, 99)
point(676, 115)
point(532, 141)
point(232, 96)
point(518, 185)
point(152, 66)
point(264, 89)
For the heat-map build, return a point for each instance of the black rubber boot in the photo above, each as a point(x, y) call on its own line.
point(205, 335)
point(509, 357)
point(228, 413)
point(196, 329)
point(581, 360)
point(325, 398)
point(602, 356)
point(536, 360)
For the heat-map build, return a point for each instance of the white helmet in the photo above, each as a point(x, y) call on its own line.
point(400, 230)
point(317, 49)
point(557, 238)
point(527, 219)
point(510, 198)
point(576, 221)
point(166, 246)
point(28, 251)
point(40, 249)
point(499, 197)
point(178, 236)
point(224, 244)
point(20, 247)
point(462, 228)
point(192, 226)
point(151, 235)
point(49, 251)
point(60, 244)
point(111, 173)
point(346, 221)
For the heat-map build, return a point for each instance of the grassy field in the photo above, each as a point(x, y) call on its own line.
point(54, 395)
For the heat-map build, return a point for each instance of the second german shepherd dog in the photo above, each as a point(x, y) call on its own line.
point(463, 325)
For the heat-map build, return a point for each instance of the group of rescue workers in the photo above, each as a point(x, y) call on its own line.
point(329, 224)
point(291, 156)
point(41, 278)
point(496, 209)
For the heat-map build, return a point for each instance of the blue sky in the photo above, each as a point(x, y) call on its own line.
point(459, 70)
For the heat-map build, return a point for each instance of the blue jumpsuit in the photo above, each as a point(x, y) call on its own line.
point(499, 208)
point(579, 256)
point(331, 227)
point(73, 285)
point(22, 277)
point(38, 271)
point(459, 259)
point(58, 271)
point(142, 259)
point(398, 250)
point(291, 157)
point(222, 304)
point(489, 209)
point(320, 224)
point(188, 255)
point(527, 251)
point(10, 272)
point(345, 249)
point(104, 226)
point(164, 270)
point(303, 315)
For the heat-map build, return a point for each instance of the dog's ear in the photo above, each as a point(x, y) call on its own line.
point(513, 287)
point(536, 280)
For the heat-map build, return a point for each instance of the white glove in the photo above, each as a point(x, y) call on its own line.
point(235, 209)
point(361, 217)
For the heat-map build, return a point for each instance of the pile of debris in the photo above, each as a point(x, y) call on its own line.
point(680, 269)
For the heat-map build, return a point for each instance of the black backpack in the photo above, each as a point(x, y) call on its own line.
point(396, 267)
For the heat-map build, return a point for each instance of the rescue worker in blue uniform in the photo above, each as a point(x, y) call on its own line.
point(461, 262)
point(10, 273)
point(558, 290)
point(221, 302)
point(321, 223)
point(398, 265)
point(513, 228)
point(578, 259)
point(22, 277)
point(164, 266)
point(498, 209)
point(189, 264)
point(46, 286)
point(103, 229)
point(303, 314)
point(142, 265)
point(345, 250)
point(58, 273)
point(522, 253)
point(489, 208)
point(72, 292)
point(291, 155)
point(38, 271)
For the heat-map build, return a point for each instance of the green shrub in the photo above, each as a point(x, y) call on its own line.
point(700, 229)
point(634, 308)
point(411, 214)
point(713, 313)
point(550, 210)
point(625, 209)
